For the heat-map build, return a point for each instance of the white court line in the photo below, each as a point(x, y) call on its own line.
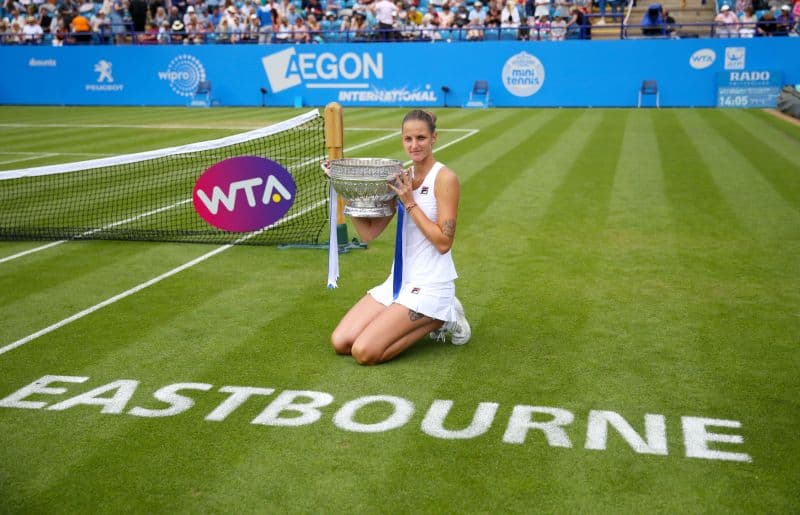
point(171, 127)
point(20, 153)
point(28, 158)
point(142, 286)
point(135, 289)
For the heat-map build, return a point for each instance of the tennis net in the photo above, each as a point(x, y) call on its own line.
point(148, 195)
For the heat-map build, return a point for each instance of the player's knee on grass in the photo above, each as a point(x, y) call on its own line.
point(340, 343)
point(366, 354)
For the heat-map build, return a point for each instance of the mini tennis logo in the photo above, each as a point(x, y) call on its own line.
point(184, 73)
point(243, 194)
point(523, 74)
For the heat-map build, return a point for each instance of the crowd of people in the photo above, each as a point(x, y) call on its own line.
point(751, 18)
point(306, 21)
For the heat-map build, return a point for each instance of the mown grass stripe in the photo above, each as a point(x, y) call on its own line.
point(697, 205)
point(761, 209)
point(757, 150)
point(504, 165)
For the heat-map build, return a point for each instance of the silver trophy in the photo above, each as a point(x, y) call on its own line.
point(363, 183)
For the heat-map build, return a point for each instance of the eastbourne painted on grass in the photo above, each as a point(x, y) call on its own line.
point(243, 194)
point(291, 408)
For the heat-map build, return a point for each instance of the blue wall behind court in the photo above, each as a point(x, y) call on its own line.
point(568, 74)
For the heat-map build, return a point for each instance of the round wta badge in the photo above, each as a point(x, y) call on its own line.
point(523, 74)
point(244, 194)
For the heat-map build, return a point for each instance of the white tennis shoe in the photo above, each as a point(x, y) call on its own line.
point(459, 330)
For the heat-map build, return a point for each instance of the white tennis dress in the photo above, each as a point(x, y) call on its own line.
point(428, 285)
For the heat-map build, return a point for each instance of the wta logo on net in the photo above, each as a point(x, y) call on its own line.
point(289, 68)
point(244, 194)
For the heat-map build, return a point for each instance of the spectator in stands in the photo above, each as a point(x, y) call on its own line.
point(195, 31)
point(190, 11)
point(741, 5)
point(726, 23)
point(266, 18)
point(414, 16)
point(542, 9)
point(150, 34)
point(177, 32)
point(160, 16)
point(14, 33)
point(563, 8)
point(314, 29)
point(249, 29)
point(385, 13)
point(461, 18)
point(430, 26)
point(766, 26)
point(653, 23)
point(32, 32)
point(139, 14)
point(510, 16)
point(524, 33)
point(315, 8)
point(284, 32)
point(447, 18)
point(215, 16)
point(578, 26)
point(784, 23)
point(474, 30)
point(477, 13)
point(163, 37)
point(45, 20)
point(332, 6)
point(494, 14)
point(101, 28)
point(669, 24)
point(558, 28)
point(174, 15)
point(60, 33)
point(247, 8)
point(747, 28)
point(541, 28)
point(406, 29)
point(359, 27)
point(81, 29)
point(291, 15)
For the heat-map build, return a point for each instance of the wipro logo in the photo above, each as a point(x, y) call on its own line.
point(243, 194)
point(184, 73)
point(289, 68)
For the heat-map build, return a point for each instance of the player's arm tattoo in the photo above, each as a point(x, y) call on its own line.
point(449, 228)
point(414, 315)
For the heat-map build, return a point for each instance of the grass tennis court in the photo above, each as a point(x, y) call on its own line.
point(632, 278)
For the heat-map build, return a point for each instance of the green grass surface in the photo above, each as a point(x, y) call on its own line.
point(628, 261)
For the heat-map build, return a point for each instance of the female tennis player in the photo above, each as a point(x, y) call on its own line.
point(383, 323)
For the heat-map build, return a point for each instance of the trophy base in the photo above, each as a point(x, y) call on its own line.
point(367, 209)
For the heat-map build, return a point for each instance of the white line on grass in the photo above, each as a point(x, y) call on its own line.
point(142, 286)
point(40, 155)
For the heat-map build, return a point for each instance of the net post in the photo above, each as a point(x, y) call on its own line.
point(334, 142)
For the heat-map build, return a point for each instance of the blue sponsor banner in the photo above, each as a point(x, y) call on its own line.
point(536, 74)
point(749, 88)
